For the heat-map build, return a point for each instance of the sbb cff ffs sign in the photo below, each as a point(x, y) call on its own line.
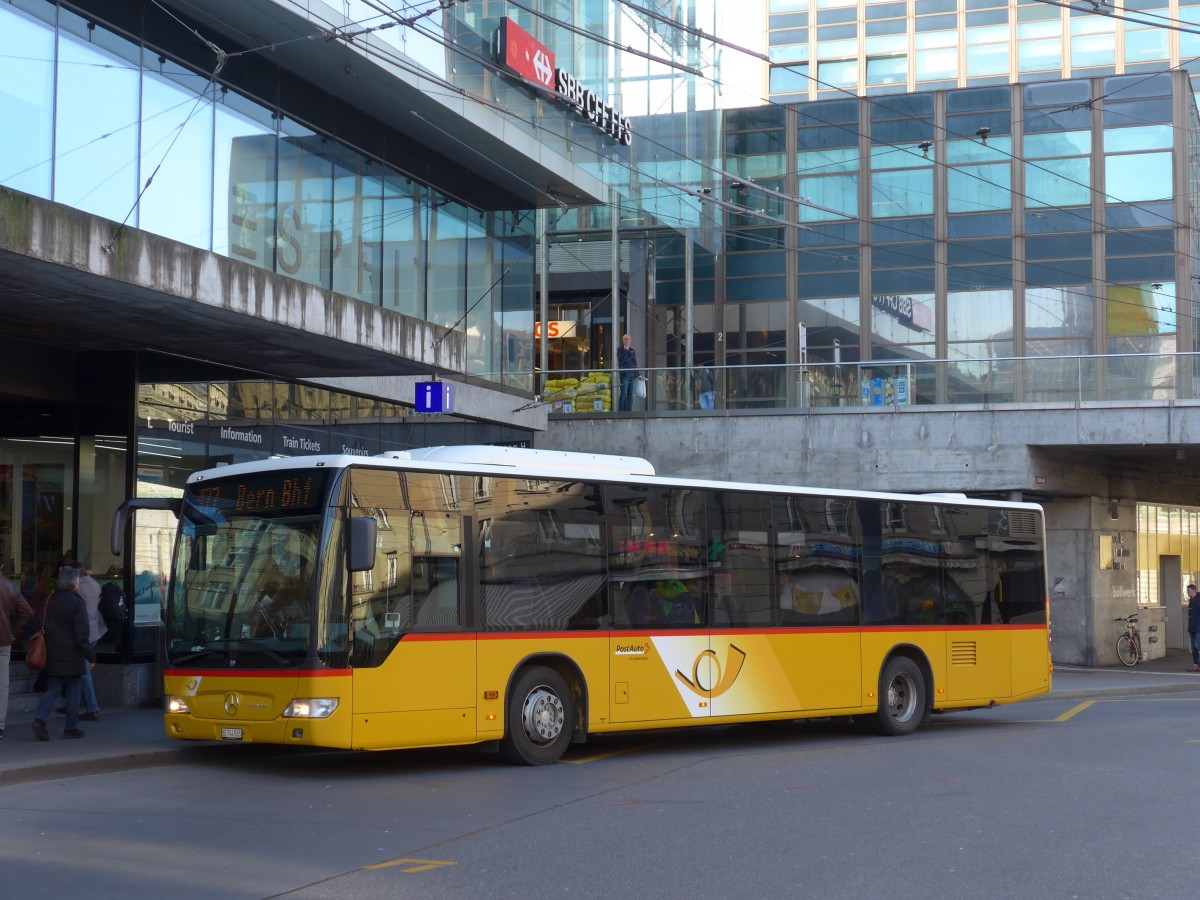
point(531, 59)
point(434, 397)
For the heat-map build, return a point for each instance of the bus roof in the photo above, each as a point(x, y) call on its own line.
point(514, 457)
point(556, 464)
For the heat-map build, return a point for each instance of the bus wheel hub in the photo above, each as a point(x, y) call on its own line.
point(542, 715)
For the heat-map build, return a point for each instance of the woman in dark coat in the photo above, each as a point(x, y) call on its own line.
point(69, 653)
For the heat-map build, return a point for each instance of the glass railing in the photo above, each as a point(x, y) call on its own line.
point(878, 384)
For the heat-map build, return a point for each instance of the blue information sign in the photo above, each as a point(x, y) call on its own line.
point(434, 397)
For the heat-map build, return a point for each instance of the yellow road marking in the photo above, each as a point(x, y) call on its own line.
point(1075, 711)
point(609, 755)
point(416, 865)
point(1082, 706)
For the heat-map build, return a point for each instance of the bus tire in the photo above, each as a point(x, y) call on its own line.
point(901, 698)
point(540, 718)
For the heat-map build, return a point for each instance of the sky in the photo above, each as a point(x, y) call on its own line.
point(744, 23)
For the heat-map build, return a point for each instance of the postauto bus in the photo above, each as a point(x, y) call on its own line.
point(467, 595)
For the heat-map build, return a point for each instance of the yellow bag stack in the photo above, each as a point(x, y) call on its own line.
point(594, 394)
point(560, 393)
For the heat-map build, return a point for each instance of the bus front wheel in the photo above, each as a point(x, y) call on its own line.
point(901, 698)
point(539, 720)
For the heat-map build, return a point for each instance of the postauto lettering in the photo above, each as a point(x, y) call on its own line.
point(592, 108)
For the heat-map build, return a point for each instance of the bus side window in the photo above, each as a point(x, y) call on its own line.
point(437, 600)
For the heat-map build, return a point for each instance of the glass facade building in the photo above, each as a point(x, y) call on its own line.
point(111, 126)
point(821, 48)
point(969, 226)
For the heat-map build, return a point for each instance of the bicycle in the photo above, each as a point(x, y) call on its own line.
point(1129, 644)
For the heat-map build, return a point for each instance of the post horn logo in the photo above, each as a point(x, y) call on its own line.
point(724, 678)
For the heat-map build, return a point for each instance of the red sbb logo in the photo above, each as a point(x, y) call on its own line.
point(526, 56)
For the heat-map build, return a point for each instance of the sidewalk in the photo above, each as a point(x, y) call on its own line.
point(1168, 675)
point(122, 739)
point(134, 738)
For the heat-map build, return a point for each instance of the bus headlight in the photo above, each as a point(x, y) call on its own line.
point(311, 708)
point(177, 705)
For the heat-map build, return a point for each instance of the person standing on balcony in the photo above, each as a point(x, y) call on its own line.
point(627, 363)
point(704, 377)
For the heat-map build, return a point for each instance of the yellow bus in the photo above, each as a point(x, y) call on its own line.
point(528, 598)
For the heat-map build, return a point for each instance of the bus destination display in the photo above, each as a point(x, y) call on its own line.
point(263, 494)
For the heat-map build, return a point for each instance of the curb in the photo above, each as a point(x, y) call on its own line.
point(1088, 694)
point(104, 765)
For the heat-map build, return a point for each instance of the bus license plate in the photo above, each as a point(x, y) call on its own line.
point(231, 734)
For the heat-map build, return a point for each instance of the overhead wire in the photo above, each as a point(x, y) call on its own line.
point(1107, 12)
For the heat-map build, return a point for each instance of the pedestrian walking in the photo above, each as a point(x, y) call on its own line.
point(1194, 625)
point(69, 653)
point(89, 590)
point(15, 612)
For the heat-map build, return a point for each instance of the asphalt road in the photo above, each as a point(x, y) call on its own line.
point(1062, 798)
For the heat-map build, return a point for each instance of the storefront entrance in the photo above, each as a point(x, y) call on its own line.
point(1168, 545)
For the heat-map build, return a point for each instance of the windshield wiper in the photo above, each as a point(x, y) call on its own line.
point(196, 654)
point(274, 655)
point(225, 647)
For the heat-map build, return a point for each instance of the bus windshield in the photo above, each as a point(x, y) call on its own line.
point(243, 588)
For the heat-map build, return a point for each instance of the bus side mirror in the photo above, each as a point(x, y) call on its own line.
point(363, 532)
point(126, 509)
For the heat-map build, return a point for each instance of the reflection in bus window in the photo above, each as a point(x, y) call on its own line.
point(541, 562)
point(658, 555)
point(415, 582)
point(739, 556)
point(243, 578)
point(817, 561)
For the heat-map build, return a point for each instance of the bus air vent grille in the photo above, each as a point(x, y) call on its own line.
point(963, 653)
point(1022, 524)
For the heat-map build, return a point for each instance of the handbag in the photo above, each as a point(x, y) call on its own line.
point(35, 651)
point(35, 644)
point(639, 387)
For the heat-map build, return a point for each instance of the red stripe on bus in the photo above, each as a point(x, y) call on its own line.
point(684, 632)
point(259, 673)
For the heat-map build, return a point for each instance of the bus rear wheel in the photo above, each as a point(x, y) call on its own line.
point(901, 698)
point(539, 720)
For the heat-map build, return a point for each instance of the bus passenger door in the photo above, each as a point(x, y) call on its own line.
point(423, 692)
point(414, 662)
